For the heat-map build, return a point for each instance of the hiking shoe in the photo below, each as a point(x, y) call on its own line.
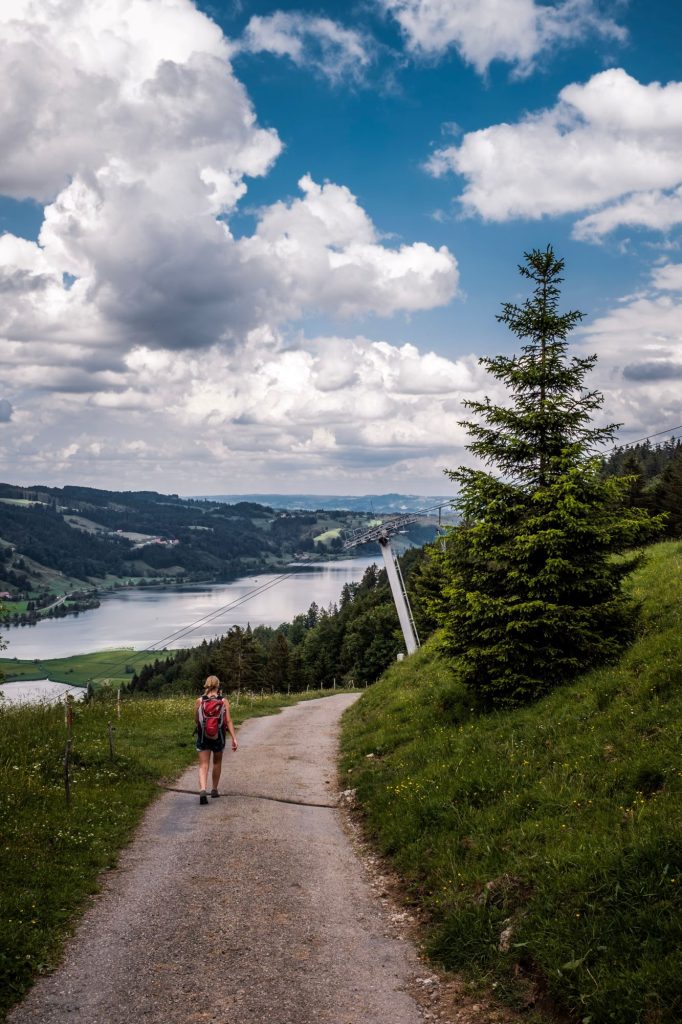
point(203, 799)
point(214, 793)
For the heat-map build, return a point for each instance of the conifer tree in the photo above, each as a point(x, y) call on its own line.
point(277, 664)
point(532, 594)
point(668, 494)
point(238, 660)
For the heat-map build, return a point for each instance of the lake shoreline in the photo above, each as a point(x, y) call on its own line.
point(159, 619)
point(95, 592)
point(78, 670)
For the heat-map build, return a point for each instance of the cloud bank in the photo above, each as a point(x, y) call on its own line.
point(329, 410)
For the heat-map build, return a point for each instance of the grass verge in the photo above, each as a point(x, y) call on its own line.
point(545, 843)
point(51, 855)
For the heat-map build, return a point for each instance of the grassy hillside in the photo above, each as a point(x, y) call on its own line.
point(546, 843)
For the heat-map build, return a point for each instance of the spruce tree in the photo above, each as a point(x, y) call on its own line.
point(668, 494)
point(532, 594)
point(277, 664)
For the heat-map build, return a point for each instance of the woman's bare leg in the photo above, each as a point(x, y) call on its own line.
point(217, 767)
point(204, 758)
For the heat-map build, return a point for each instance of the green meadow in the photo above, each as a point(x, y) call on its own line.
point(545, 843)
point(115, 666)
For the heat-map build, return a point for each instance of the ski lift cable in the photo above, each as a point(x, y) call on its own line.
point(183, 631)
point(177, 634)
point(392, 524)
point(659, 433)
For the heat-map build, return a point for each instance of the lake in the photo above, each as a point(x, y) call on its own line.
point(158, 618)
point(42, 691)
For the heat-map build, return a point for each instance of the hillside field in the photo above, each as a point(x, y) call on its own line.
point(545, 843)
point(115, 666)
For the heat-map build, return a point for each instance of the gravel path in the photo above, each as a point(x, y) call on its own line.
point(295, 935)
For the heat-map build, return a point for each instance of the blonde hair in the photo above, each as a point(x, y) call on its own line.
point(212, 685)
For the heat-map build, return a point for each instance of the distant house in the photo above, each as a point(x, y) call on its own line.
point(5, 596)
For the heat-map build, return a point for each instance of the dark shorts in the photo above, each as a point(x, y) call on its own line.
point(216, 746)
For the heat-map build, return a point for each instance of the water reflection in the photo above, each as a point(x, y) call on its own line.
point(156, 618)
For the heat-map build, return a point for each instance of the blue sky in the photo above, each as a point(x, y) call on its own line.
point(257, 246)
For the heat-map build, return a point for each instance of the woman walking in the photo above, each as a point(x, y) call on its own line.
point(212, 716)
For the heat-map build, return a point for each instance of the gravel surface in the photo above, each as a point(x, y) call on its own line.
point(247, 911)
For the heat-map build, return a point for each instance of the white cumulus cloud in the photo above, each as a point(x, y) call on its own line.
point(639, 348)
point(338, 53)
point(514, 31)
point(327, 254)
point(668, 277)
point(612, 146)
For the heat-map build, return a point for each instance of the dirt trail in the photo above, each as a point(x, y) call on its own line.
point(296, 934)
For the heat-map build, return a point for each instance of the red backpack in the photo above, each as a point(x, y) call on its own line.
point(212, 725)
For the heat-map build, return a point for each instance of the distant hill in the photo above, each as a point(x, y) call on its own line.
point(59, 539)
point(379, 503)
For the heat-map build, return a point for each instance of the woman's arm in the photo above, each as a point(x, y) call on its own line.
point(230, 726)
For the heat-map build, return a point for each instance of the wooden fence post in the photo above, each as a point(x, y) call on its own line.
point(111, 742)
point(68, 716)
point(67, 780)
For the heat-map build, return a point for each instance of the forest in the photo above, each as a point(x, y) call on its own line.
point(655, 479)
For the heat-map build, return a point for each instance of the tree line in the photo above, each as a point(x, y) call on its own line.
point(654, 474)
point(187, 538)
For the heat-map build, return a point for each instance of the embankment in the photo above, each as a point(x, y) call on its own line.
point(544, 843)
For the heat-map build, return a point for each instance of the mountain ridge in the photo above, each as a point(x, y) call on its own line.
point(391, 502)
